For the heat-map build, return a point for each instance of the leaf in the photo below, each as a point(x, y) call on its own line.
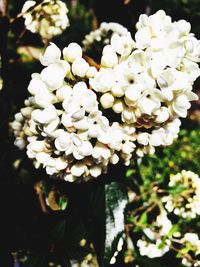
point(176, 189)
point(116, 201)
point(111, 201)
point(143, 218)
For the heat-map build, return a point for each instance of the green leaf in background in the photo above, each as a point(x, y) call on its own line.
point(176, 189)
point(111, 201)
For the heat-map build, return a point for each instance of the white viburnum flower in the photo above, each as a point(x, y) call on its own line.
point(101, 36)
point(61, 125)
point(185, 204)
point(161, 227)
point(48, 18)
point(93, 115)
point(150, 84)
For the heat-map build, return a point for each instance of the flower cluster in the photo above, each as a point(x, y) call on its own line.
point(147, 83)
point(102, 35)
point(81, 118)
point(186, 203)
point(192, 243)
point(48, 18)
point(161, 227)
point(61, 126)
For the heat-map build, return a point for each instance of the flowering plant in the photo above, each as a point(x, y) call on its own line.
point(81, 117)
point(91, 115)
point(48, 18)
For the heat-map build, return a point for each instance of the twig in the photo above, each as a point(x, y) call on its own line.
point(3, 7)
point(91, 62)
point(38, 188)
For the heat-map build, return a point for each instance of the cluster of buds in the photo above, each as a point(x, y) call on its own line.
point(161, 227)
point(80, 118)
point(185, 204)
point(61, 126)
point(147, 83)
point(100, 37)
point(48, 18)
point(192, 243)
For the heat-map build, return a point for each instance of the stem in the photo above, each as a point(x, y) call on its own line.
point(91, 62)
point(38, 189)
point(3, 7)
point(4, 28)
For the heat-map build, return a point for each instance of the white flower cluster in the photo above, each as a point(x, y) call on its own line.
point(185, 204)
point(161, 227)
point(80, 119)
point(147, 83)
point(102, 35)
point(48, 18)
point(192, 241)
point(61, 126)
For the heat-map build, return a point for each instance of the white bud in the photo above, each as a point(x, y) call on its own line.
point(72, 52)
point(64, 93)
point(109, 60)
point(95, 171)
point(51, 55)
point(133, 93)
point(117, 90)
point(80, 67)
point(107, 100)
point(118, 106)
point(78, 169)
point(92, 71)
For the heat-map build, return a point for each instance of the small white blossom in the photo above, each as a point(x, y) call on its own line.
point(102, 35)
point(185, 204)
point(48, 18)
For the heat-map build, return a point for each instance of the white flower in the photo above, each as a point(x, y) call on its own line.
point(91, 116)
point(161, 227)
point(72, 52)
point(27, 5)
point(103, 81)
point(186, 203)
point(45, 116)
point(102, 35)
point(49, 18)
point(143, 38)
point(122, 45)
point(54, 74)
point(51, 55)
point(109, 58)
point(78, 169)
point(151, 250)
point(80, 67)
point(107, 100)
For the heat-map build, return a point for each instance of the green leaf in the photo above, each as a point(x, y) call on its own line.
point(111, 201)
point(176, 189)
point(116, 201)
point(143, 218)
